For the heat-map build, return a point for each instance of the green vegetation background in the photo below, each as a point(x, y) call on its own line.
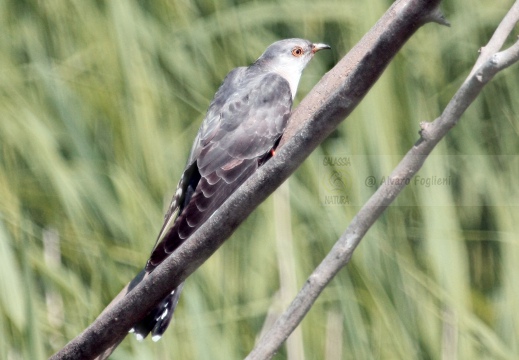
point(99, 104)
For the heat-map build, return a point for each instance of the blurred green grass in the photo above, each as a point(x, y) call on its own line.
point(99, 103)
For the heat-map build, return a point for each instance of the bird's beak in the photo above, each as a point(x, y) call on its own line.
point(317, 47)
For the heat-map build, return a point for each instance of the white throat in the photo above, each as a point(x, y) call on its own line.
point(292, 74)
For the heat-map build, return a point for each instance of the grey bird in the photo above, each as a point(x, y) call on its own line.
point(240, 132)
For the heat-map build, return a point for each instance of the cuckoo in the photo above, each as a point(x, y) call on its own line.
point(239, 133)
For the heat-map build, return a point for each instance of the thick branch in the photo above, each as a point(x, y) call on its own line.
point(335, 97)
point(431, 133)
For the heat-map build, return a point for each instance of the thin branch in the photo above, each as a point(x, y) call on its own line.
point(431, 134)
point(498, 39)
point(498, 62)
point(335, 97)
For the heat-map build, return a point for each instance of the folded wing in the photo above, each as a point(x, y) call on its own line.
point(243, 124)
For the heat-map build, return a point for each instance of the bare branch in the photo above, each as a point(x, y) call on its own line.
point(498, 62)
point(335, 97)
point(498, 39)
point(431, 134)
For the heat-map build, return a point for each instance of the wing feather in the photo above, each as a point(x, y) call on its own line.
point(244, 122)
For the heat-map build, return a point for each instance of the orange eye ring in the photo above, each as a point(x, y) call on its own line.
point(298, 51)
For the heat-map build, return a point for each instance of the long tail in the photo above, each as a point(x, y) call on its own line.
point(158, 319)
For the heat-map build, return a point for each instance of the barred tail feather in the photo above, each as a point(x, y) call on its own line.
point(158, 319)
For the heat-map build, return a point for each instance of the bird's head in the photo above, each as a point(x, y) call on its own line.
point(288, 58)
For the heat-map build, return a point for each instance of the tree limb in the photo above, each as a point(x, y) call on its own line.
point(486, 67)
point(333, 98)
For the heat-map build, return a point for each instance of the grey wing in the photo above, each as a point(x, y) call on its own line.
point(210, 123)
point(241, 128)
point(227, 91)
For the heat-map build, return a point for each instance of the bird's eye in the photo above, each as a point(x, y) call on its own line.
point(298, 51)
